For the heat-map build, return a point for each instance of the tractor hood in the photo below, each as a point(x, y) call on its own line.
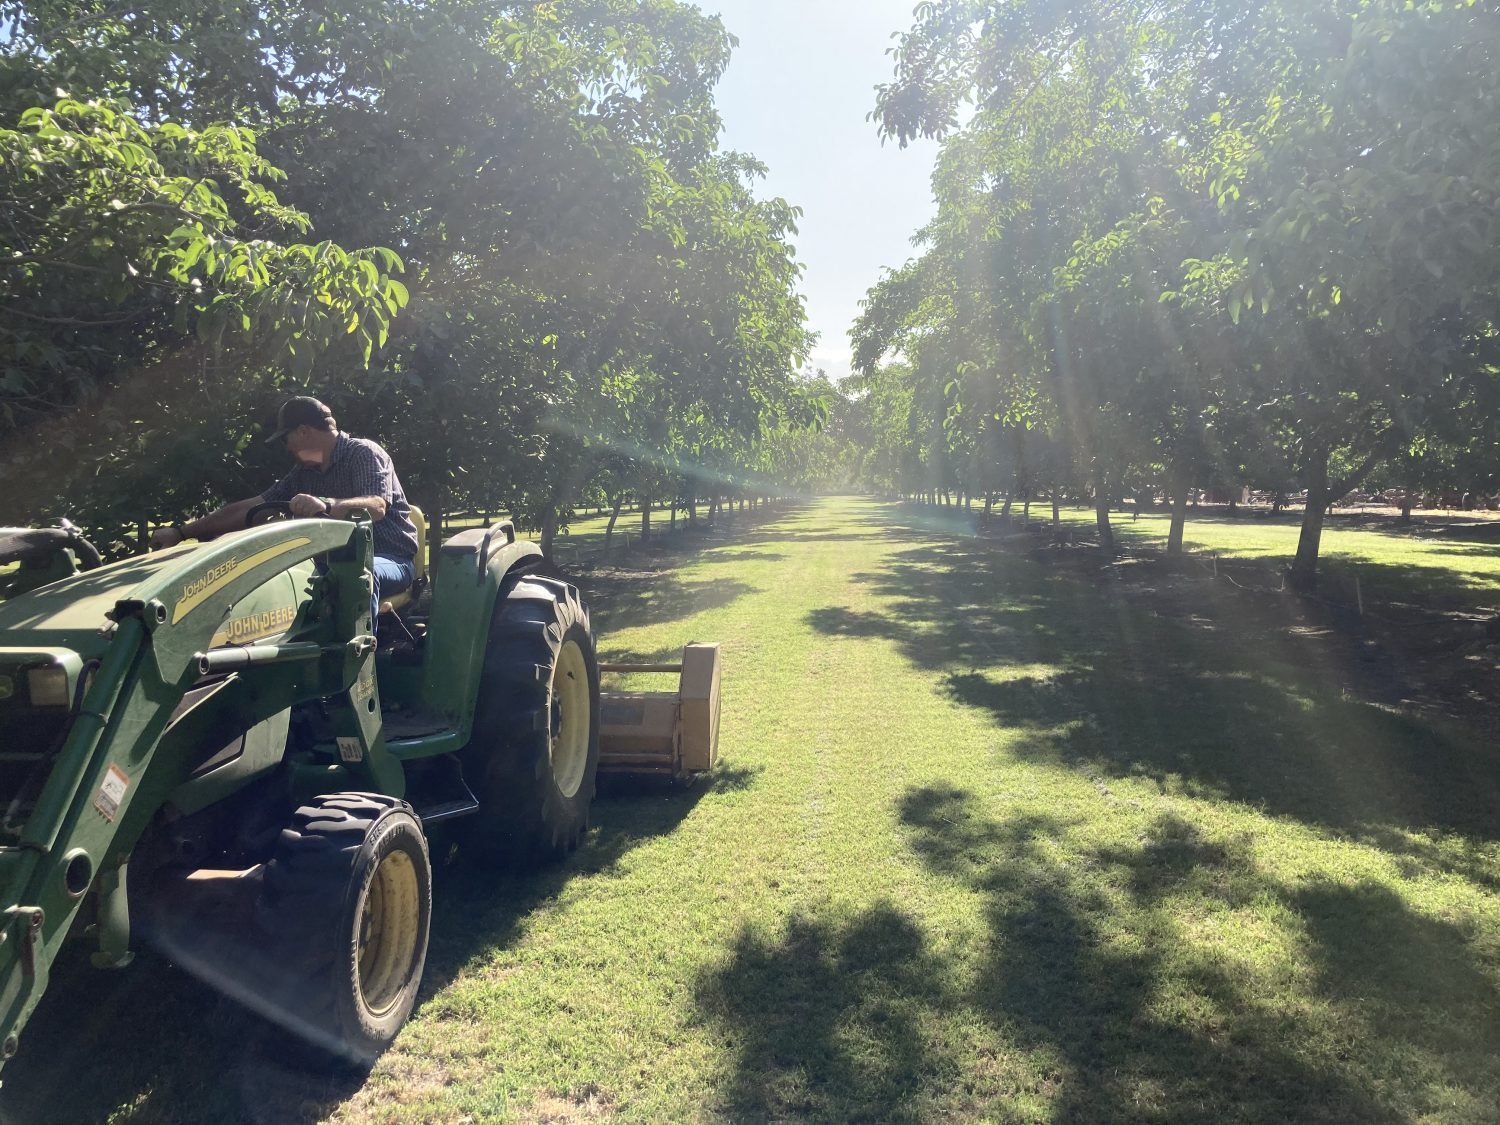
point(73, 613)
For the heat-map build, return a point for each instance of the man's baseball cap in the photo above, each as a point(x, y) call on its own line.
point(300, 411)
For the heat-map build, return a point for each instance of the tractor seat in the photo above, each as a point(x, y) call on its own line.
point(397, 602)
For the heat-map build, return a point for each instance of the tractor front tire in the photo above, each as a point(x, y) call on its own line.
point(535, 751)
point(346, 911)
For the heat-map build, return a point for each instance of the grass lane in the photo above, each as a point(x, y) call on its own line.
point(994, 843)
point(989, 840)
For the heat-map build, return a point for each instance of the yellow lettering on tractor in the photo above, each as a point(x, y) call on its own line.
point(197, 591)
point(254, 626)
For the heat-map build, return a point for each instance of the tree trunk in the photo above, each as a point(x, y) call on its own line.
point(1018, 473)
point(1406, 507)
point(1101, 519)
point(549, 532)
point(1180, 489)
point(1056, 514)
point(1005, 509)
point(1305, 566)
point(673, 525)
point(614, 514)
point(645, 518)
point(1304, 572)
point(1026, 508)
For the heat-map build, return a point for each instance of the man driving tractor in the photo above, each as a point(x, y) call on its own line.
point(335, 474)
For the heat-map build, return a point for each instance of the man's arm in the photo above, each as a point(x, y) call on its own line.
point(231, 517)
point(308, 506)
point(375, 505)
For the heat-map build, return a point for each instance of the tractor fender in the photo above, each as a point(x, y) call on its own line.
point(475, 565)
point(491, 552)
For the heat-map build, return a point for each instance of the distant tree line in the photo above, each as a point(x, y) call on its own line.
point(1191, 244)
point(500, 238)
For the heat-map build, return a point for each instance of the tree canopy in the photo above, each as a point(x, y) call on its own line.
point(554, 278)
point(1193, 243)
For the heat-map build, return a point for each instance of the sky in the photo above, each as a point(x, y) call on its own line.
point(795, 95)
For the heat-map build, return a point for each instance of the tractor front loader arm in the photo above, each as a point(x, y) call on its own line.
point(108, 780)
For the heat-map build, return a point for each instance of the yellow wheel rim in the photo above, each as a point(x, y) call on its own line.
point(389, 917)
point(570, 719)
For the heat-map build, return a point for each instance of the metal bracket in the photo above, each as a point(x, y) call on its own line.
point(505, 527)
point(31, 919)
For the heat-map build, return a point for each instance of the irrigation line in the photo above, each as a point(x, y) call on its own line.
point(1359, 607)
point(1217, 569)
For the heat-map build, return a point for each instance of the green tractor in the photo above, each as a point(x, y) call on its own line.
point(204, 749)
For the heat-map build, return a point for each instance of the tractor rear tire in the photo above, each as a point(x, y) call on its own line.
point(345, 913)
point(535, 751)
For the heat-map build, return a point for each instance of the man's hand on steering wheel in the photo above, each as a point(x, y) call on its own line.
point(164, 537)
point(307, 506)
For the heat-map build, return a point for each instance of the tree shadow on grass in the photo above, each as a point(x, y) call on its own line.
point(1335, 764)
point(150, 1044)
point(825, 1019)
point(749, 554)
point(791, 526)
point(1468, 550)
point(1192, 693)
point(1148, 1023)
point(889, 535)
point(1410, 980)
point(1087, 995)
point(625, 599)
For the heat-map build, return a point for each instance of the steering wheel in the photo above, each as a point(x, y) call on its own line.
point(38, 544)
point(272, 511)
point(87, 554)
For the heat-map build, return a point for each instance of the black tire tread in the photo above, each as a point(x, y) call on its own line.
point(301, 910)
point(507, 763)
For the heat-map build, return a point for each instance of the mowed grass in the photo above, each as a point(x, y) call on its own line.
point(990, 840)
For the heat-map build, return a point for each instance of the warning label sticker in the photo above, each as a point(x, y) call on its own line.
point(111, 792)
point(349, 749)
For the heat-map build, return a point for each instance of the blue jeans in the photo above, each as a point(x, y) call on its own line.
point(391, 577)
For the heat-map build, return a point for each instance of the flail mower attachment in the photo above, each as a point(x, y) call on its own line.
point(667, 733)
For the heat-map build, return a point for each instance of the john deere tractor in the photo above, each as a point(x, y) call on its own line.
point(204, 749)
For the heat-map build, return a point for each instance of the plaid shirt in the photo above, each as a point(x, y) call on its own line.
point(358, 467)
